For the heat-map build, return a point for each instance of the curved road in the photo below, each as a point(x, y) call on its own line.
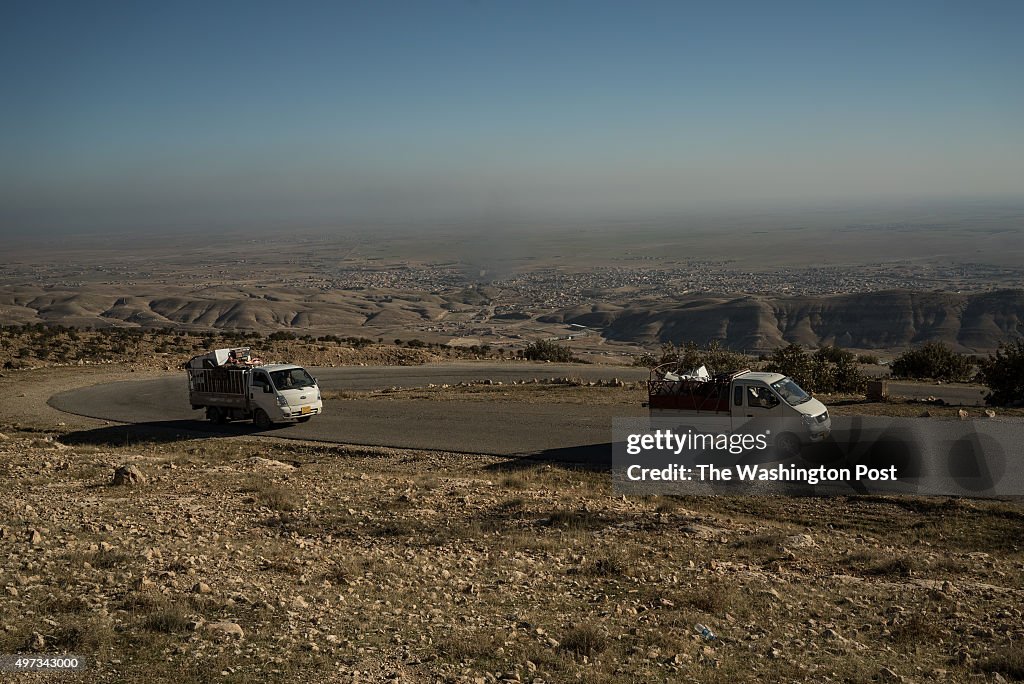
point(467, 426)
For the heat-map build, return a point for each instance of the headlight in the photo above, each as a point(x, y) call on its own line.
point(281, 400)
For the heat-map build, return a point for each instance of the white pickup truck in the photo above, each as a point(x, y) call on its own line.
point(739, 400)
point(231, 385)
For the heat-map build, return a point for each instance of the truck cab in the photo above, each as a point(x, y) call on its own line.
point(763, 395)
point(743, 399)
point(286, 392)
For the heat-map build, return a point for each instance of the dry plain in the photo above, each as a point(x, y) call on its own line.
point(254, 558)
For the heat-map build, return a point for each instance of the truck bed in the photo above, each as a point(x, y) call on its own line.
point(217, 386)
point(688, 395)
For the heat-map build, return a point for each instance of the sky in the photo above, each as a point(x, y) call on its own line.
point(146, 116)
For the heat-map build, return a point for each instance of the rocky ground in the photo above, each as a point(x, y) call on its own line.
point(252, 559)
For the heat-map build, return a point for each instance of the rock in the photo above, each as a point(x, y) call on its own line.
point(37, 642)
point(270, 463)
point(129, 475)
point(800, 541)
point(225, 629)
point(34, 537)
point(3, 437)
point(887, 675)
point(962, 414)
point(201, 588)
point(990, 413)
point(143, 584)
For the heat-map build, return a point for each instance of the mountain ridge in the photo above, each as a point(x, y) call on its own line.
point(971, 322)
point(876, 320)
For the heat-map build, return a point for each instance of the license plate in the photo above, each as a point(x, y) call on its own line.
point(307, 409)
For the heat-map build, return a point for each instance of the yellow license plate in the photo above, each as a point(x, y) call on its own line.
point(307, 409)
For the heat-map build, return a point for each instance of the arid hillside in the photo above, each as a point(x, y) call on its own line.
point(877, 320)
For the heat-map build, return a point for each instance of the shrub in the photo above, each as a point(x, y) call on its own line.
point(834, 354)
point(645, 360)
point(793, 361)
point(848, 377)
point(830, 369)
point(358, 342)
point(1003, 373)
point(868, 359)
point(933, 361)
point(546, 350)
point(716, 358)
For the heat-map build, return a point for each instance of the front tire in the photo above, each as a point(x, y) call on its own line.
point(262, 420)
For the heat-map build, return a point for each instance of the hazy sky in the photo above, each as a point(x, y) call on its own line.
point(153, 115)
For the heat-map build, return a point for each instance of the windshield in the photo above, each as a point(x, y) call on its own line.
point(791, 392)
point(292, 378)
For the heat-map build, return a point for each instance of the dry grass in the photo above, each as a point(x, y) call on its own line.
point(165, 617)
point(274, 496)
point(585, 639)
point(1007, 661)
point(577, 521)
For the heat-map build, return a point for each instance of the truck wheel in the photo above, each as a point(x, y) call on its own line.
point(216, 415)
point(262, 420)
point(788, 444)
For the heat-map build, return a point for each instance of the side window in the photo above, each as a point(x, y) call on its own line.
point(761, 397)
point(260, 380)
point(737, 395)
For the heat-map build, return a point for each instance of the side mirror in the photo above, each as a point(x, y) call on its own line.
point(267, 390)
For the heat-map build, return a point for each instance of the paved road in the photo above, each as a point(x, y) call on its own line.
point(467, 426)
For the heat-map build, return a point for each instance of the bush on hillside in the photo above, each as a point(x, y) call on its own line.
point(1003, 374)
point(933, 361)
